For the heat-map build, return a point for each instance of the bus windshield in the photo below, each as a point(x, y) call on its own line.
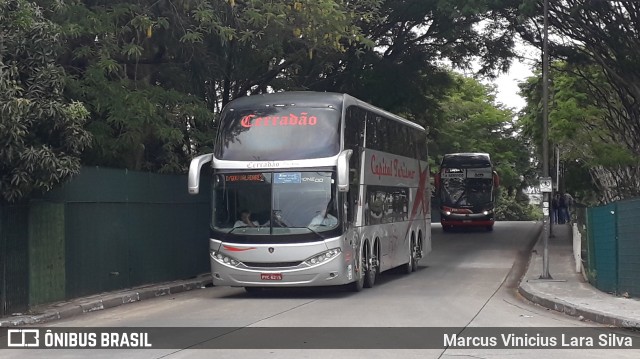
point(460, 192)
point(279, 133)
point(280, 203)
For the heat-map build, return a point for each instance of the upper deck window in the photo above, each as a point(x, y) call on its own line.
point(278, 133)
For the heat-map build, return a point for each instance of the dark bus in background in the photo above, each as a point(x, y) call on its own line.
point(466, 186)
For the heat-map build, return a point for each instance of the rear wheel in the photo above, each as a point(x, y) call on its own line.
point(371, 270)
point(410, 266)
point(417, 253)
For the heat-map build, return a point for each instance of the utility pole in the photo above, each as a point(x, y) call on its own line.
point(545, 137)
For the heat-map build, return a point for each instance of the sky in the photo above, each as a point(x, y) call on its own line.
point(507, 84)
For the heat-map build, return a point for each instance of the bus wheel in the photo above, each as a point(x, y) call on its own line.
point(446, 228)
point(408, 268)
point(371, 270)
point(417, 253)
point(489, 228)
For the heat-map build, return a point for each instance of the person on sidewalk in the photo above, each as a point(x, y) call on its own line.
point(568, 199)
point(563, 214)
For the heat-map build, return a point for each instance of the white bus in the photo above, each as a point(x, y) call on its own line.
point(314, 189)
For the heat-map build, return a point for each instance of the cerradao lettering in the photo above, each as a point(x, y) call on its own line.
point(301, 119)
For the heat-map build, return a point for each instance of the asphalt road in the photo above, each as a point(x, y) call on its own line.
point(468, 280)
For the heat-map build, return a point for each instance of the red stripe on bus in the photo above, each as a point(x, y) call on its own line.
point(237, 249)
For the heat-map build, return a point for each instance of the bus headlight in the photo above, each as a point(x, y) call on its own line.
point(224, 259)
point(447, 213)
point(323, 257)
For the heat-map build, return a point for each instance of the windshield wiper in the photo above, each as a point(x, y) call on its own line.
point(316, 232)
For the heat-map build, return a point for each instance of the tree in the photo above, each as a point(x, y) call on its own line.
point(155, 74)
point(126, 63)
point(473, 122)
point(42, 135)
point(580, 126)
point(596, 42)
point(402, 72)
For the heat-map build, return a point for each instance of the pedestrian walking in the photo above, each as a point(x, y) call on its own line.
point(563, 214)
point(568, 200)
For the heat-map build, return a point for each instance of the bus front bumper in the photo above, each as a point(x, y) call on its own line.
point(467, 220)
point(333, 272)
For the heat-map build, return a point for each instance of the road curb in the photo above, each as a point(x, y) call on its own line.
point(104, 301)
point(562, 306)
point(576, 310)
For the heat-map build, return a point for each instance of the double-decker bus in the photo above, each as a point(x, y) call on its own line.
point(466, 185)
point(314, 189)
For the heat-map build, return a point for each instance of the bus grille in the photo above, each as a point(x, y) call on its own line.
point(271, 264)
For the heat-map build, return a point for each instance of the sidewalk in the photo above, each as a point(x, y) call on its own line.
point(102, 301)
point(568, 292)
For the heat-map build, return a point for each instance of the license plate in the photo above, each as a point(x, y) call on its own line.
point(271, 276)
point(466, 221)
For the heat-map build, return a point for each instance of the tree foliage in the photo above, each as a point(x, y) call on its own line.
point(473, 122)
point(41, 134)
point(402, 72)
point(126, 63)
point(595, 113)
point(594, 155)
point(154, 75)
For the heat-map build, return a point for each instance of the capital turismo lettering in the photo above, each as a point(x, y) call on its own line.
point(398, 168)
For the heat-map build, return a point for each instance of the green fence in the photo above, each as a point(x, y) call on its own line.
point(628, 234)
point(613, 246)
point(14, 265)
point(105, 230)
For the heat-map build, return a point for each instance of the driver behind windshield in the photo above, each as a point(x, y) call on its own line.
point(245, 220)
point(324, 218)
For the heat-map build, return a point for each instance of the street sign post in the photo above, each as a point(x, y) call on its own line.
point(546, 185)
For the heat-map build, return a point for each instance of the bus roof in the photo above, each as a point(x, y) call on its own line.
point(466, 160)
point(308, 98)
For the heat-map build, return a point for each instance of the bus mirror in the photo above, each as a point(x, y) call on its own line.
point(343, 170)
point(194, 172)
